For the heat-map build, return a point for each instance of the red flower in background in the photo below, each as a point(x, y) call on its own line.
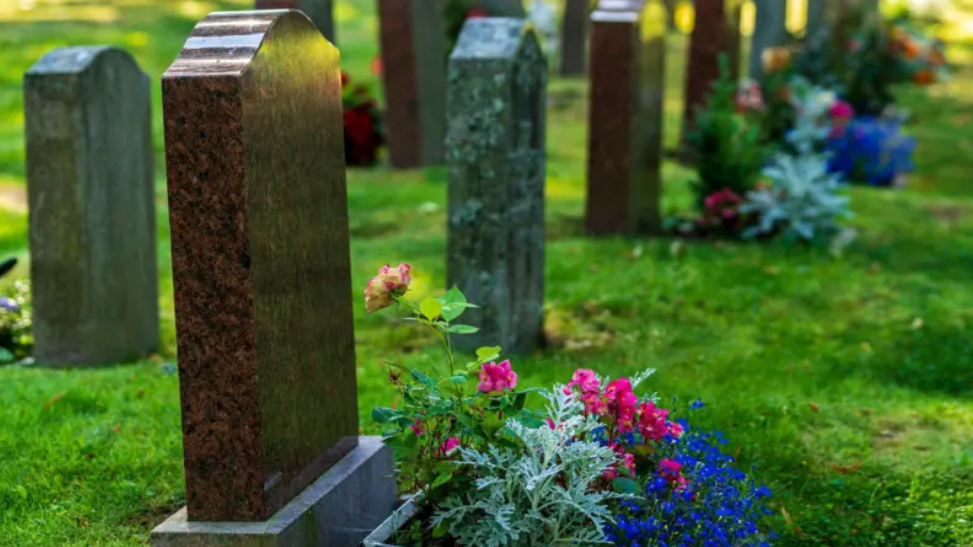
point(377, 66)
point(477, 12)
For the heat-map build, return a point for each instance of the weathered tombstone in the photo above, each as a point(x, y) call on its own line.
point(495, 149)
point(574, 30)
point(625, 117)
point(91, 207)
point(769, 30)
point(709, 40)
point(321, 12)
point(413, 46)
point(262, 284)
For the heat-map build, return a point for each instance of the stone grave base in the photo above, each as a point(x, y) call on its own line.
point(338, 510)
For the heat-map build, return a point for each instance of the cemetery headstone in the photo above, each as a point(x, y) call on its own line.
point(769, 30)
point(262, 285)
point(733, 36)
point(413, 47)
point(495, 150)
point(91, 202)
point(627, 73)
point(321, 13)
point(574, 31)
point(709, 40)
point(817, 18)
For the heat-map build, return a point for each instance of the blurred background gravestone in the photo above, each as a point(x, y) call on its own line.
point(262, 284)
point(769, 30)
point(495, 149)
point(92, 231)
point(574, 37)
point(321, 13)
point(625, 117)
point(413, 46)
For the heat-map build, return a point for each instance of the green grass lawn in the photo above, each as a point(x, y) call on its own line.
point(848, 380)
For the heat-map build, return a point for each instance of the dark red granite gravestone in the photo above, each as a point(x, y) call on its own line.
point(320, 11)
point(414, 76)
point(709, 40)
point(627, 74)
point(260, 258)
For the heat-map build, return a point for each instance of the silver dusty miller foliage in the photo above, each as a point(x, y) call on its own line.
point(804, 199)
point(537, 494)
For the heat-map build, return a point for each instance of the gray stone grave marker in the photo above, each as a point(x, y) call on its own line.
point(769, 30)
point(413, 48)
point(262, 284)
point(495, 149)
point(574, 35)
point(625, 117)
point(91, 205)
point(817, 18)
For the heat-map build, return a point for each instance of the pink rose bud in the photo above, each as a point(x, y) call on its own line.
point(389, 283)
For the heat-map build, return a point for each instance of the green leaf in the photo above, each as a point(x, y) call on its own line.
point(453, 304)
point(430, 307)
point(459, 379)
point(441, 480)
point(487, 353)
point(421, 377)
point(491, 424)
point(440, 530)
point(7, 356)
point(383, 415)
point(519, 400)
point(624, 485)
point(462, 329)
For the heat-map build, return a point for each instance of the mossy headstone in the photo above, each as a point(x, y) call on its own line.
point(769, 30)
point(627, 73)
point(414, 76)
point(495, 150)
point(91, 201)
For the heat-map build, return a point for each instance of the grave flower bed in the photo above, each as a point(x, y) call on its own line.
point(364, 130)
point(597, 464)
point(16, 340)
point(753, 186)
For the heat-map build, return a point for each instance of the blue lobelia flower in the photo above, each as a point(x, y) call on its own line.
point(871, 150)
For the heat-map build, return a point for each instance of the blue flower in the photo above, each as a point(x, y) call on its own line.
point(871, 150)
point(8, 304)
point(720, 507)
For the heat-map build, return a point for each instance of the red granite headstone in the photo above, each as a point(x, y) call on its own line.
point(260, 259)
point(709, 40)
point(320, 11)
point(414, 76)
point(627, 74)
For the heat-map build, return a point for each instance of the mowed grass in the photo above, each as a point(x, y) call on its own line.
point(846, 378)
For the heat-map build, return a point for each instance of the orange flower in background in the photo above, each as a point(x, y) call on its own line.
point(775, 59)
point(377, 66)
point(936, 57)
point(924, 77)
point(910, 49)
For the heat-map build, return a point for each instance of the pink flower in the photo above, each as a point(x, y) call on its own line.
point(675, 429)
point(749, 97)
point(621, 403)
point(670, 470)
point(626, 461)
point(390, 282)
point(418, 427)
point(494, 377)
point(586, 379)
point(448, 446)
point(652, 421)
point(629, 461)
point(841, 109)
point(550, 423)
